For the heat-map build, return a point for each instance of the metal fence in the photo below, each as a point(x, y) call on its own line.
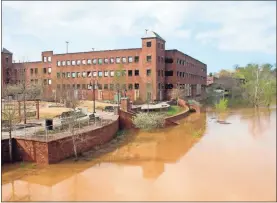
point(58, 131)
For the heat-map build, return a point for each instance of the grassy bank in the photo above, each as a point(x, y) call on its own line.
point(173, 110)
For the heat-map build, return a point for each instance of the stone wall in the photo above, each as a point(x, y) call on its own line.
point(60, 149)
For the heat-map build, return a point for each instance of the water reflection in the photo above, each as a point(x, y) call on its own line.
point(219, 162)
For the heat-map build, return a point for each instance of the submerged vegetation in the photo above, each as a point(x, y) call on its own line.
point(149, 121)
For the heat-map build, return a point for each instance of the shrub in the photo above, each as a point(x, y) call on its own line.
point(222, 105)
point(149, 121)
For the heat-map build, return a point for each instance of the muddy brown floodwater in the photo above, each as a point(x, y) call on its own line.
point(195, 161)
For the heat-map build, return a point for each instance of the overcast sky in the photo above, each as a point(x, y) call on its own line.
point(219, 34)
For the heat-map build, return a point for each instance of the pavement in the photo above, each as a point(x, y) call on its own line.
point(56, 123)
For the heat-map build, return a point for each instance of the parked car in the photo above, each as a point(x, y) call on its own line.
point(109, 108)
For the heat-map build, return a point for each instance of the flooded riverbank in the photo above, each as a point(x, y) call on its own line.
point(196, 161)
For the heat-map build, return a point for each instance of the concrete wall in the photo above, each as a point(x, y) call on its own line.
point(57, 150)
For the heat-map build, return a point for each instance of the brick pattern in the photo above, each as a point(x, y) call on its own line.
point(57, 150)
point(125, 120)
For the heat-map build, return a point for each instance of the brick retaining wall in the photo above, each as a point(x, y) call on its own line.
point(54, 151)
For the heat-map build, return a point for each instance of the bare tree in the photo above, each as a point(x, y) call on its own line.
point(119, 82)
point(72, 101)
point(10, 118)
point(177, 93)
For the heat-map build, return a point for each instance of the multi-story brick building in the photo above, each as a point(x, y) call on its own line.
point(150, 71)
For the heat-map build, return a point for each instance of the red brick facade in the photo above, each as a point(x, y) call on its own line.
point(151, 71)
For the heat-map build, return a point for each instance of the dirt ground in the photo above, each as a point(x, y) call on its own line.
point(46, 112)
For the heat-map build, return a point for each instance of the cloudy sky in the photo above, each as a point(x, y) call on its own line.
point(220, 34)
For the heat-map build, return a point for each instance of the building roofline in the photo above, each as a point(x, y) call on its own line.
point(6, 51)
point(108, 50)
point(176, 50)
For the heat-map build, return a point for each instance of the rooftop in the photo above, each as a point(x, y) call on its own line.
point(152, 34)
point(6, 51)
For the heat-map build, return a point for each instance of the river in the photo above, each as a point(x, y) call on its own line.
point(198, 160)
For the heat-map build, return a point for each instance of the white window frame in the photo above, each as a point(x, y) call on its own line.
point(59, 63)
point(44, 59)
point(112, 73)
point(89, 61)
point(73, 63)
point(63, 63)
point(68, 62)
point(49, 81)
point(49, 58)
point(78, 62)
point(84, 61)
point(94, 61)
point(130, 61)
point(49, 70)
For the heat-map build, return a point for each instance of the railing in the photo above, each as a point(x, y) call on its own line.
point(58, 131)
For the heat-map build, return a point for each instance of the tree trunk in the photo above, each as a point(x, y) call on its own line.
point(24, 109)
point(10, 146)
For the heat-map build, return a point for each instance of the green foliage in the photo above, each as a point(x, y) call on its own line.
point(149, 121)
point(173, 110)
point(222, 105)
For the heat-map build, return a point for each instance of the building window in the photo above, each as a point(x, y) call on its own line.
point(58, 86)
point(148, 44)
point(130, 59)
point(148, 72)
point(49, 81)
point(84, 74)
point(73, 74)
point(136, 86)
point(136, 59)
point(130, 72)
point(117, 59)
point(44, 70)
point(44, 59)
point(111, 86)
point(99, 86)
point(84, 61)
point(106, 60)
point(83, 86)
point(106, 73)
point(148, 58)
point(63, 63)
point(136, 72)
point(118, 73)
point(58, 63)
point(100, 73)
point(162, 45)
point(94, 61)
point(162, 59)
point(49, 58)
point(89, 74)
point(49, 70)
point(89, 61)
point(159, 59)
point(78, 62)
point(106, 86)
point(112, 73)
point(68, 74)
point(130, 86)
point(78, 74)
point(169, 73)
point(78, 86)
point(32, 71)
point(45, 81)
point(89, 87)
point(94, 73)
point(73, 62)
point(111, 60)
point(124, 60)
point(36, 71)
point(177, 73)
point(100, 61)
point(63, 75)
point(168, 60)
point(159, 72)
